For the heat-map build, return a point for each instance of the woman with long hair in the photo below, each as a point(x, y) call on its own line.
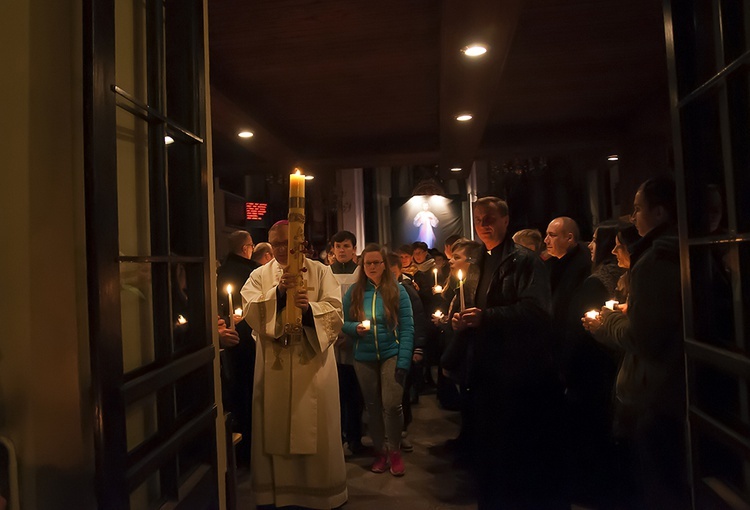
point(378, 316)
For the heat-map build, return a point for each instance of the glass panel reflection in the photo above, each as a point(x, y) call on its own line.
point(711, 286)
point(148, 494)
point(141, 421)
point(136, 308)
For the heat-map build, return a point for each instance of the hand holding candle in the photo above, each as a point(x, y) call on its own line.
point(461, 287)
point(438, 314)
point(231, 317)
point(592, 314)
point(366, 325)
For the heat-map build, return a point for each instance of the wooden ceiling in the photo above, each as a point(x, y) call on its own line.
point(350, 83)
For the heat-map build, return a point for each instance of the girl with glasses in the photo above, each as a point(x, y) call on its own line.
point(383, 346)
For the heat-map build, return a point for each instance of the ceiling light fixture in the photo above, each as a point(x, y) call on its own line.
point(168, 139)
point(474, 50)
point(464, 117)
point(613, 157)
point(245, 134)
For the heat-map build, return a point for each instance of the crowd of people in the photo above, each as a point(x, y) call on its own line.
point(564, 359)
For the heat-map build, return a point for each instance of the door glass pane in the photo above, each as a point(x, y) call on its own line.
point(133, 185)
point(188, 302)
point(148, 494)
point(720, 394)
point(738, 91)
point(742, 260)
point(733, 30)
point(716, 460)
point(704, 169)
point(694, 43)
point(141, 420)
point(711, 288)
point(136, 307)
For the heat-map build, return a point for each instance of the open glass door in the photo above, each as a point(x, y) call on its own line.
point(708, 44)
point(148, 254)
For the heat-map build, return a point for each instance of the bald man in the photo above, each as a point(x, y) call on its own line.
point(569, 266)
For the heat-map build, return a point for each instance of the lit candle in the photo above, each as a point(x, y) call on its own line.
point(611, 304)
point(238, 311)
point(438, 314)
point(231, 317)
point(437, 289)
point(592, 314)
point(461, 287)
point(181, 320)
point(366, 325)
point(297, 184)
point(434, 271)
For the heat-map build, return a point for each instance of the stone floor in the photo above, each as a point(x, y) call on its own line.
point(431, 481)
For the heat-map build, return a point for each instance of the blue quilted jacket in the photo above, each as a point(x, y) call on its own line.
point(381, 342)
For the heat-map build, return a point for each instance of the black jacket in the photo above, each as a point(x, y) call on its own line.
point(511, 347)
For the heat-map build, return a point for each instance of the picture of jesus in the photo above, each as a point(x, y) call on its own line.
point(426, 221)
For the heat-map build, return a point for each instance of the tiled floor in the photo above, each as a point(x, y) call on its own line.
point(431, 481)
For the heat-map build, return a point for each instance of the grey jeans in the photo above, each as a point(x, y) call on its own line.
point(383, 395)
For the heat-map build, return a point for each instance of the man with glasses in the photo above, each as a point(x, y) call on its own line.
point(239, 359)
point(297, 456)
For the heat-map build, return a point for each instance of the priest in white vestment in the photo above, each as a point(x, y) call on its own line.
point(296, 452)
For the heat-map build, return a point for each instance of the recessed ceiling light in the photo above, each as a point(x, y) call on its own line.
point(245, 134)
point(474, 50)
point(168, 139)
point(612, 157)
point(456, 169)
point(464, 117)
point(309, 177)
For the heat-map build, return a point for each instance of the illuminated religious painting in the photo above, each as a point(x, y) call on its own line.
point(427, 218)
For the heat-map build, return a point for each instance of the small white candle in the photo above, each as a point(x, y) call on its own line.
point(238, 311)
point(438, 314)
point(437, 289)
point(592, 314)
point(434, 271)
point(611, 304)
point(181, 320)
point(461, 287)
point(366, 325)
point(231, 317)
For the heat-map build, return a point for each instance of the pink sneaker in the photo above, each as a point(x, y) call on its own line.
point(381, 463)
point(397, 463)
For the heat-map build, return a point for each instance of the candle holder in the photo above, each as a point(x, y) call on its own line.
point(592, 314)
point(366, 325)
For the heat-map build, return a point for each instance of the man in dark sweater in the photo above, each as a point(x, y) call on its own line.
point(239, 361)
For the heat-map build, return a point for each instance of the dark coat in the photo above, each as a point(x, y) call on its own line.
point(652, 374)
point(517, 399)
point(566, 276)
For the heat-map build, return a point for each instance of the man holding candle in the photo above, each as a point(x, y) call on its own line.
point(517, 399)
point(297, 457)
point(239, 360)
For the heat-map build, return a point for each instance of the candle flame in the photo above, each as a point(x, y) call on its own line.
point(434, 270)
point(181, 320)
point(229, 289)
point(297, 172)
point(460, 275)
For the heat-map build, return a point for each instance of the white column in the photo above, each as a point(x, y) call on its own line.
point(383, 201)
point(352, 211)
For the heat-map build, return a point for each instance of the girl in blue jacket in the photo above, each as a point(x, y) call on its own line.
point(382, 351)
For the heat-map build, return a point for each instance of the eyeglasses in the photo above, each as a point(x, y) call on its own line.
point(249, 244)
point(373, 263)
point(280, 246)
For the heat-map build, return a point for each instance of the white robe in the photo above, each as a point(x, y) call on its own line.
point(296, 452)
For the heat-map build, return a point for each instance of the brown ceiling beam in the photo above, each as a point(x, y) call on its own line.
point(469, 84)
point(371, 160)
point(263, 144)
